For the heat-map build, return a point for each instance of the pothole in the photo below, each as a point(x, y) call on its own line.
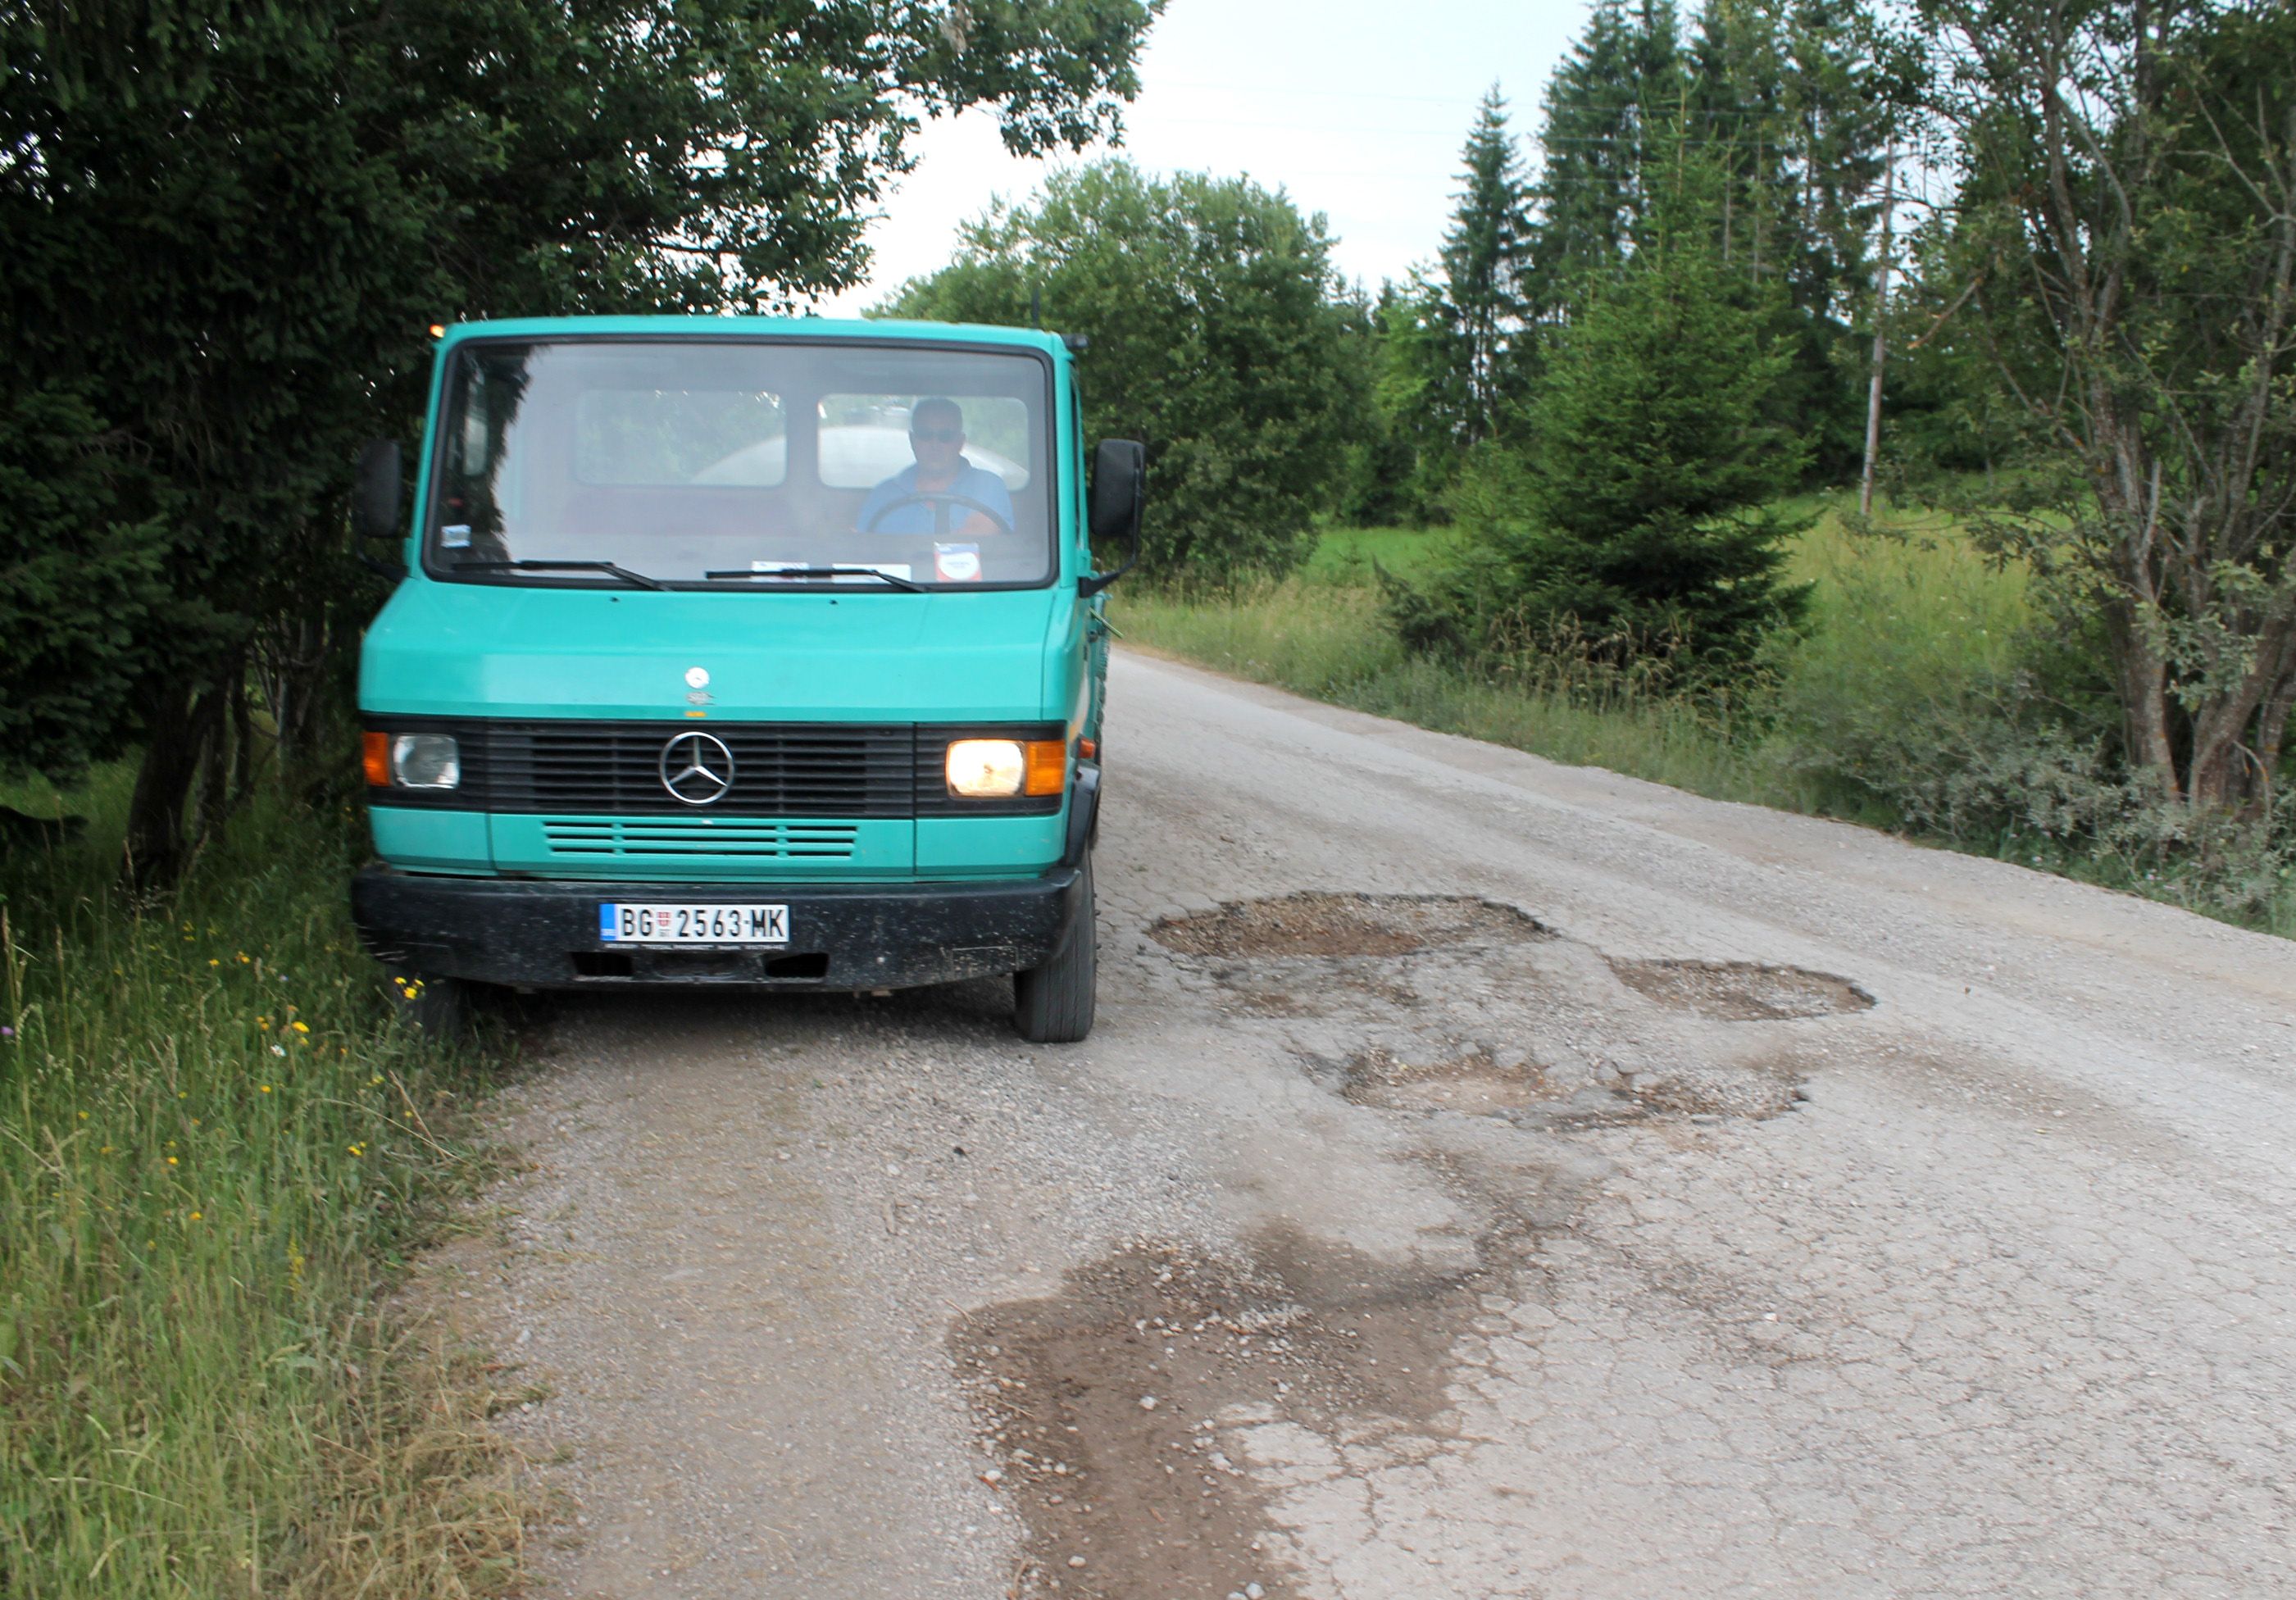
point(1316, 923)
point(1477, 1083)
point(1107, 1403)
point(1741, 991)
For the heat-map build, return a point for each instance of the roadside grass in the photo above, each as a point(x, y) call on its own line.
point(1344, 555)
point(1332, 643)
point(1908, 624)
point(216, 1152)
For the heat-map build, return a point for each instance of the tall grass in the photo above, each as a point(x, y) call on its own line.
point(1331, 641)
point(216, 1149)
point(1913, 636)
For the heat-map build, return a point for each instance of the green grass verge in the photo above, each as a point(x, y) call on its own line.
point(216, 1150)
point(1331, 641)
point(1344, 555)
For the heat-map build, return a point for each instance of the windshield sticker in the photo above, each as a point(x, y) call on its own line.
point(456, 535)
point(957, 563)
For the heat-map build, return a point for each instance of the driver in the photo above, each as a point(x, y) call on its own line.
point(906, 502)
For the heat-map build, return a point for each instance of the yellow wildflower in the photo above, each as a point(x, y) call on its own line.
point(302, 1027)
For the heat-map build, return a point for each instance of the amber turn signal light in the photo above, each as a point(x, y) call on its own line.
point(1049, 767)
point(374, 755)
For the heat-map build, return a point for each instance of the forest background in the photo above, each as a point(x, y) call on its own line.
point(1589, 481)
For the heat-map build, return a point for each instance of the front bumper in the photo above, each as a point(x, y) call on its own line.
point(545, 935)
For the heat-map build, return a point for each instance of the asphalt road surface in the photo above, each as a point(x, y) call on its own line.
point(1488, 1178)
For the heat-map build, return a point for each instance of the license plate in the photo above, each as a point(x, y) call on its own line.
point(623, 924)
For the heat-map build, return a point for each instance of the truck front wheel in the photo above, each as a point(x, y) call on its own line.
point(1052, 1003)
point(438, 1008)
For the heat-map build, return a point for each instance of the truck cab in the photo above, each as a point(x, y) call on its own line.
point(741, 652)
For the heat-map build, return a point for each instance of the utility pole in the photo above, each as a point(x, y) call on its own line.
point(1881, 344)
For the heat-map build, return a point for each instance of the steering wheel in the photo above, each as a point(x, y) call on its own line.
point(937, 498)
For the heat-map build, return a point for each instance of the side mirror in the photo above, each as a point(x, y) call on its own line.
point(374, 503)
point(374, 500)
point(1119, 493)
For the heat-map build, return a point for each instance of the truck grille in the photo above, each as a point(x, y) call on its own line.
point(586, 840)
point(778, 770)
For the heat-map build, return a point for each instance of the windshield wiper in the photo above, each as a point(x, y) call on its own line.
point(898, 582)
point(638, 580)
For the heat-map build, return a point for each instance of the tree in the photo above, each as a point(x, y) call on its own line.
point(1218, 336)
point(2126, 232)
point(1419, 385)
point(227, 231)
point(1622, 75)
point(1635, 523)
point(1484, 252)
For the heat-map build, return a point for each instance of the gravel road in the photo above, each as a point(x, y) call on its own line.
point(1488, 1178)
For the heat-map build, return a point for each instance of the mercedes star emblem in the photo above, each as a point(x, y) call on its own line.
point(697, 768)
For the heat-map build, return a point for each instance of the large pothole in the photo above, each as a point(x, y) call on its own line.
point(1110, 1406)
point(1741, 991)
point(1321, 925)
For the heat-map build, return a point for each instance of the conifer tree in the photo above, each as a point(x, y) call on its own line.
point(1622, 75)
point(1636, 524)
point(1485, 253)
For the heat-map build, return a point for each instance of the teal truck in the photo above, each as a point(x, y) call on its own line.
point(751, 652)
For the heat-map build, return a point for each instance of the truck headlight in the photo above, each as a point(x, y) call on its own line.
point(983, 768)
point(1001, 768)
point(425, 761)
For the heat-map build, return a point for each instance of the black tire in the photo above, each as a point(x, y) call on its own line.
point(1053, 1003)
point(437, 1008)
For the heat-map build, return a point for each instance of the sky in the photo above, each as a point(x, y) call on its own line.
point(1358, 109)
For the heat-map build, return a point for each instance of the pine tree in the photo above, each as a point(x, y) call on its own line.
point(1636, 523)
point(1798, 100)
point(1485, 253)
point(1622, 75)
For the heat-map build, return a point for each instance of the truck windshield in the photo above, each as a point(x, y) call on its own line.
point(732, 464)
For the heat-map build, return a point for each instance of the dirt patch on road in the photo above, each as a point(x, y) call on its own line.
point(1741, 991)
point(1476, 1082)
point(1345, 924)
point(1109, 1404)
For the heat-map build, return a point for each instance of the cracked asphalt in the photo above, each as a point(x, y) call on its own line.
point(1488, 1178)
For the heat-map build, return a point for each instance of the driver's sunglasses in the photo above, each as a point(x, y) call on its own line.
point(938, 436)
